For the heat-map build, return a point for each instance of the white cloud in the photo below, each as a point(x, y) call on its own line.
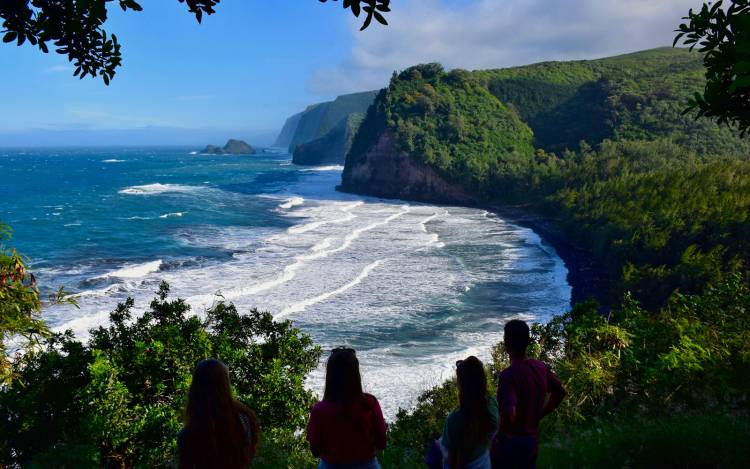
point(477, 34)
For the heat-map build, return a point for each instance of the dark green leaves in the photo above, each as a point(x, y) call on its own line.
point(722, 34)
point(373, 8)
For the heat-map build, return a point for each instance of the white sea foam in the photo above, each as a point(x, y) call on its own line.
point(133, 270)
point(170, 215)
point(335, 167)
point(290, 271)
point(113, 161)
point(292, 202)
point(325, 244)
point(356, 270)
point(347, 217)
point(303, 305)
point(158, 188)
point(193, 152)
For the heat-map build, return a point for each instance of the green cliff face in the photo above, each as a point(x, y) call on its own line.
point(333, 146)
point(287, 132)
point(447, 122)
point(319, 119)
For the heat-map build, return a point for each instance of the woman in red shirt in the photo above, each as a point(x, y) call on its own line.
point(346, 429)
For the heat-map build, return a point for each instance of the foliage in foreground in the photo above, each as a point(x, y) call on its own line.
point(722, 34)
point(19, 305)
point(642, 387)
point(118, 400)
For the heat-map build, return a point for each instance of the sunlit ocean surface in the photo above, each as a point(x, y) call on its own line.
point(413, 287)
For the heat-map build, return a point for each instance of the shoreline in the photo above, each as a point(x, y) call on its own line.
point(586, 276)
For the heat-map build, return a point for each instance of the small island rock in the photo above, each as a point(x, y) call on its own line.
point(233, 147)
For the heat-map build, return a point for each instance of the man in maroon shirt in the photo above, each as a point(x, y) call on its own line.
point(522, 396)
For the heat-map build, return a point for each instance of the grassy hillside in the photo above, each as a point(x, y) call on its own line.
point(632, 96)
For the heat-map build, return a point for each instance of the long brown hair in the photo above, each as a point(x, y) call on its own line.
point(343, 380)
point(215, 435)
point(472, 396)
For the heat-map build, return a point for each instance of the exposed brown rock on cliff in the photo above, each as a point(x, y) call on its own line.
point(388, 172)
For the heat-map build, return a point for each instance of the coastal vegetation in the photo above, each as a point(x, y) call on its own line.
point(117, 401)
point(601, 148)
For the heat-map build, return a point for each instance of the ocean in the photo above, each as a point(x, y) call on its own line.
point(412, 287)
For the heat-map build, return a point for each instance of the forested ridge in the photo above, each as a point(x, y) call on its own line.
point(602, 148)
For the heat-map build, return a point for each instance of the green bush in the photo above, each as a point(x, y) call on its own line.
point(118, 400)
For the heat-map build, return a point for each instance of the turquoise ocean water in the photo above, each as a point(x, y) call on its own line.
point(412, 287)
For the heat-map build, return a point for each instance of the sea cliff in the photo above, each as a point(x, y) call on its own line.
point(576, 150)
point(323, 132)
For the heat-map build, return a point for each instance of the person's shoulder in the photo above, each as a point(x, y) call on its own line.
point(507, 373)
point(536, 362)
point(453, 417)
point(321, 408)
point(371, 399)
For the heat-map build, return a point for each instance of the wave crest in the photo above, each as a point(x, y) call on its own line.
point(133, 270)
point(158, 188)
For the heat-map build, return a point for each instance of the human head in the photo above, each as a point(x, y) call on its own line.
point(215, 436)
point(210, 383)
point(472, 397)
point(517, 337)
point(343, 381)
point(472, 380)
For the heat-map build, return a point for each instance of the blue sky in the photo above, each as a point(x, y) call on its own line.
point(253, 63)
